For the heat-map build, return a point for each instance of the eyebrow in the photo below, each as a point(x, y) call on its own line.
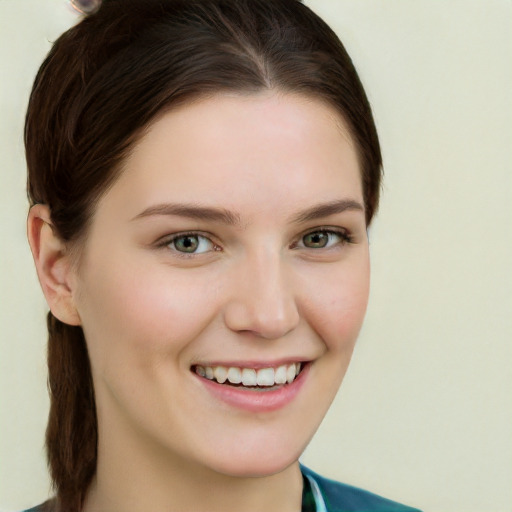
point(192, 211)
point(221, 215)
point(326, 209)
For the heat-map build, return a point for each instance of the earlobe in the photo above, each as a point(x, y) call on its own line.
point(53, 265)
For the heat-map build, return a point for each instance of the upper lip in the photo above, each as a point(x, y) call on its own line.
point(253, 363)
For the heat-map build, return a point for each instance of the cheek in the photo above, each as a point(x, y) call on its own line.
point(136, 312)
point(338, 307)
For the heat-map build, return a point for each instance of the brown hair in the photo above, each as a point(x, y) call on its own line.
point(102, 83)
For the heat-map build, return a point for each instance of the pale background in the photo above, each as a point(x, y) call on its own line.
point(425, 412)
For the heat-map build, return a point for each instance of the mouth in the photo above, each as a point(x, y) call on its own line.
point(253, 379)
point(253, 387)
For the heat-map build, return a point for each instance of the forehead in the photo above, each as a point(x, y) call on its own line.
point(252, 151)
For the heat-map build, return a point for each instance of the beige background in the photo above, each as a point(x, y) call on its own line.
point(425, 413)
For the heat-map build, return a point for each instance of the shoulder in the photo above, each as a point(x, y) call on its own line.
point(339, 497)
point(47, 506)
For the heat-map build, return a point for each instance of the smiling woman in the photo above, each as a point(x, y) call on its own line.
point(201, 175)
point(241, 300)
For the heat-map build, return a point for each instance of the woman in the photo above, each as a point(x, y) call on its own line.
point(202, 175)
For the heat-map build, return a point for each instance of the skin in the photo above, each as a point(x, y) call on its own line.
point(254, 292)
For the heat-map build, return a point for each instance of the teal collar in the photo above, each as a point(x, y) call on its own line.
point(312, 499)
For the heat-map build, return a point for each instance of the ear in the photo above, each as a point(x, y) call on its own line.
point(53, 265)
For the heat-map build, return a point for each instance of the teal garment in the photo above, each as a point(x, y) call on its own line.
point(324, 495)
point(320, 494)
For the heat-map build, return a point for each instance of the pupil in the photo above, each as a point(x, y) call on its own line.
point(187, 243)
point(316, 239)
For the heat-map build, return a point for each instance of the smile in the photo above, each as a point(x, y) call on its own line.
point(250, 377)
point(260, 389)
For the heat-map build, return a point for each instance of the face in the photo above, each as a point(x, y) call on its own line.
point(232, 246)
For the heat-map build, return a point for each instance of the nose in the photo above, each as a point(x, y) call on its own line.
point(262, 299)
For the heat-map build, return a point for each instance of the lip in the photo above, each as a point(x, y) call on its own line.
point(256, 400)
point(256, 365)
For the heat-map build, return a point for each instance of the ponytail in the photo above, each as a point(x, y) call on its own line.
point(71, 434)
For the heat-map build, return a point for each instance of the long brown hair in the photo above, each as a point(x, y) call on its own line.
point(102, 84)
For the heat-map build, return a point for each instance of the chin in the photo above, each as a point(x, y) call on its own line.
point(264, 461)
point(257, 468)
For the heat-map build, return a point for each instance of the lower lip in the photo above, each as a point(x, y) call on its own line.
point(256, 400)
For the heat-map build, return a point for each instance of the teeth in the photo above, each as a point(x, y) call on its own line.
point(265, 377)
point(290, 373)
point(250, 377)
point(280, 375)
point(234, 375)
point(220, 373)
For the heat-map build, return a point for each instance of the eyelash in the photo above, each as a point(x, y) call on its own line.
point(167, 241)
point(343, 234)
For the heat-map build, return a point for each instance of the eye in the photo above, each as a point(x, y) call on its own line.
point(190, 243)
point(323, 239)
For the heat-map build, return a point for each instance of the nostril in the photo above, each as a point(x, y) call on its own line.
point(265, 321)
